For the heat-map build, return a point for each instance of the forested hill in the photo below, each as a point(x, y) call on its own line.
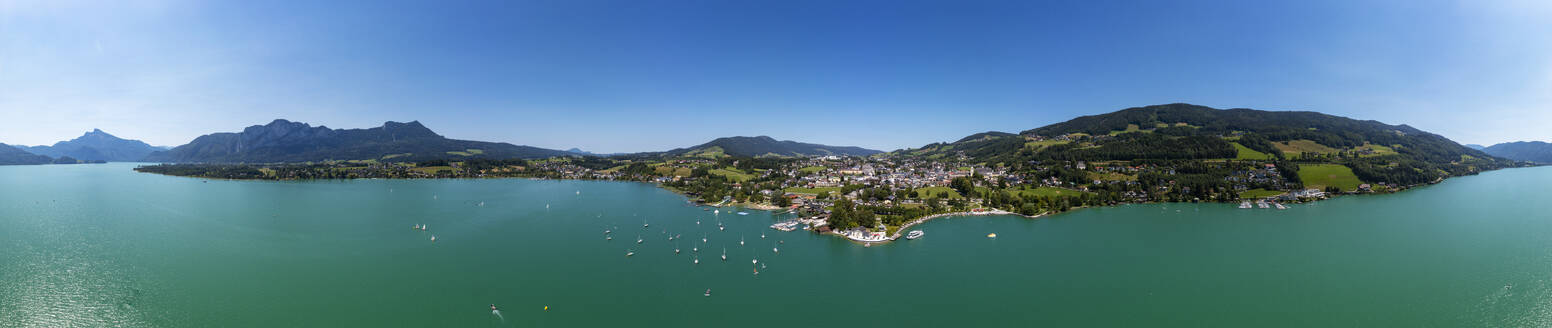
point(763, 146)
point(286, 141)
point(1182, 132)
point(1530, 151)
point(10, 155)
point(989, 135)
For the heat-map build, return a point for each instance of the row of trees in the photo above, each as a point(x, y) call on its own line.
point(846, 215)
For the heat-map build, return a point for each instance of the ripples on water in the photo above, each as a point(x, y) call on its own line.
point(68, 279)
point(100, 246)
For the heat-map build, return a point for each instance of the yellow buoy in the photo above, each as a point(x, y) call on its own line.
point(546, 307)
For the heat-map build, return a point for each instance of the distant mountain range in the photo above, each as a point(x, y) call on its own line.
point(286, 141)
point(579, 151)
point(1162, 132)
point(12, 155)
point(762, 146)
point(1475, 146)
point(1530, 151)
point(96, 146)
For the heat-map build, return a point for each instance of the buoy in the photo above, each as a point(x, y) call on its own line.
point(546, 307)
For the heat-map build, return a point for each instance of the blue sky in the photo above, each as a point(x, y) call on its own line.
point(622, 76)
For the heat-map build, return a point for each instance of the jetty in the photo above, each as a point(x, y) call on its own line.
point(906, 227)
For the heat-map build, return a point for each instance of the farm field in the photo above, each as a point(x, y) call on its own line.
point(1319, 176)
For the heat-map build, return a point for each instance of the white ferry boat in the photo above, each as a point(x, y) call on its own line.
point(914, 234)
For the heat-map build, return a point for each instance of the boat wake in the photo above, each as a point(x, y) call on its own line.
point(497, 313)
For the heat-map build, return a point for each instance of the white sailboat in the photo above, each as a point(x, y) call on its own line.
point(724, 254)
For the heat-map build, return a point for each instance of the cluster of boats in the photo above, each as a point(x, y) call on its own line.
point(705, 240)
point(423, 227)
point(608, 235)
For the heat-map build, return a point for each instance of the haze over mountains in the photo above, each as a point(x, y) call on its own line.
point(1530, 151)
point(1173, 131)
point(14, 155)
point(97, 146)
point(286, 141)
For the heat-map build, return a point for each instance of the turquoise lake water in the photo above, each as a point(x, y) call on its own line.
point(101, 245)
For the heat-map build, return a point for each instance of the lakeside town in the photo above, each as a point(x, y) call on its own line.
point(868, 199)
